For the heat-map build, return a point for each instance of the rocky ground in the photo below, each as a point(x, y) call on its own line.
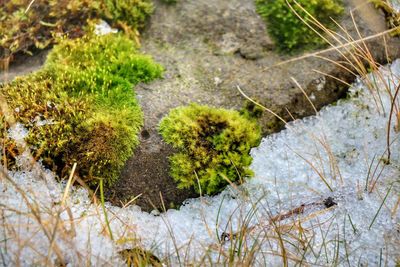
point(208, 49)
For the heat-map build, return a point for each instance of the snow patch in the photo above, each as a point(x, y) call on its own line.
point(17, 132)
point(337, 155)
point(103, 28)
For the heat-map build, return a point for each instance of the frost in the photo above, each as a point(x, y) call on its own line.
point(103, 28)
point(17, 132)
point(312, 186)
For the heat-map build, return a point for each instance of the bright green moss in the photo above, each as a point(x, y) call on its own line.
point(213, 145)
point(94, 64)
point(81, 107)
point(51, 117)
point(289, 32)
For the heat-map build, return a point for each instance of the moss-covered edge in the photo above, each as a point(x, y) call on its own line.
point(81, 106)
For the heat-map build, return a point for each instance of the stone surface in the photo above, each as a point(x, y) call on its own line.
point(23, 65)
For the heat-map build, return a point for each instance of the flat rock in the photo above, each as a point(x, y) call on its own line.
point(23, 65)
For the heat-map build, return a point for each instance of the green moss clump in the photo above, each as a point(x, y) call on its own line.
point(23, 29)
point(81, 107)
point(213, 146)
point(132, 13)
point(289, 32)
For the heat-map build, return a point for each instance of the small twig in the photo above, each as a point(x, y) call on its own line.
point(295, 211)
point(327, 203)
point(29, 6)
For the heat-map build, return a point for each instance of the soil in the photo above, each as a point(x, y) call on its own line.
point(208, 49)
point(145, 175)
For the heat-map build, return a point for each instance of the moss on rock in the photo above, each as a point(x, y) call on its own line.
point(131, 12)
point(213, 146)
point(26, 24)
point(81, 106)
point(251, 110)
point(289, 32)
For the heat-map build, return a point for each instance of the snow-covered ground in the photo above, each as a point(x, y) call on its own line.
point(338, 156)
point(396, 4)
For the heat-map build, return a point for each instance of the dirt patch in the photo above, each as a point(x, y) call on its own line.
point(145, 174)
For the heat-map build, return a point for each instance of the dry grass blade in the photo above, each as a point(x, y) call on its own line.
point(392, 106)
point(319, 173)
point(334, 48)
point(69, 183)
point(29, 6)
point(58, 215)
point(305, 94)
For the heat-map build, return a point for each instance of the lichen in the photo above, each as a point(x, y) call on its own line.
point(81, 106)
point(213, 146)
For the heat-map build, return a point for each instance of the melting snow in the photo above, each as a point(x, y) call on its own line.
point(102, 28)
point(18, 132)
point(332, 158)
